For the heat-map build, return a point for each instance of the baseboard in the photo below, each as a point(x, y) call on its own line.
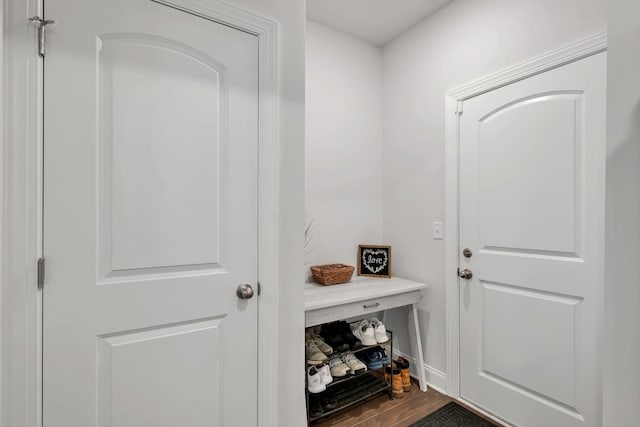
point(435, 379)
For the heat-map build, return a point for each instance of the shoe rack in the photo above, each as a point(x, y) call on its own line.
point(352, 390)
point(366, 297)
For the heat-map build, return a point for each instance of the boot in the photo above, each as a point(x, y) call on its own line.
point(404, 372)
point(396, 381)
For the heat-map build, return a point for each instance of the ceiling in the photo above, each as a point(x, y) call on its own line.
point(376, 21)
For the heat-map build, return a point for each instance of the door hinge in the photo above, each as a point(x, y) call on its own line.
point(41, 27)
point(459, 108)
point(41, 265)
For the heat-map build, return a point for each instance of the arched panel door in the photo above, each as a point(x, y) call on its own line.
point(150, 222)
point(532, 158)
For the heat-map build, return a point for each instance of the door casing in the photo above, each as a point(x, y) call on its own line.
point(21, 189)
point(454, 104)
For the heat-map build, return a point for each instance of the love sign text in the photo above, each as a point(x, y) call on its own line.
point(374, 260)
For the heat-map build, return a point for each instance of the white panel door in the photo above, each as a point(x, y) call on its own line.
point(532, 159)
point(150, 222)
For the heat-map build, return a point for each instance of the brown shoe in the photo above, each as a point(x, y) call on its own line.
point(404, 372)
point(396, 381)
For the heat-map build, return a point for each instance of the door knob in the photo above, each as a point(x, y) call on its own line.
point(465, 274)
point(244, 291)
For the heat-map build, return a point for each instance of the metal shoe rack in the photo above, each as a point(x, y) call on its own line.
point(353, 389)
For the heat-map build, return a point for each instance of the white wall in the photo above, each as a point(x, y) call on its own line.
point(622, 270)
point(343, 144)
point(462, 42)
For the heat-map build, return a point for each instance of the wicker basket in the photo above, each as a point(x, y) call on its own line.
point(331, 274)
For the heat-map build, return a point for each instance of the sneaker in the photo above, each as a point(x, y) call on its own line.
point(355, 365)
point(313, 353)
point(380, 332)
point(383, 353)
point(364, 332)
point(314, 380)
point(322, 345)
point(373, 359)
point(338, 368)
point(325, 374)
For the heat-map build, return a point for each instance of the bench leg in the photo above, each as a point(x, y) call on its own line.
point(416, 345)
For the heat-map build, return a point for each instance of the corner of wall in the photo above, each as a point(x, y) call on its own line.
point(3, 280)
point(622, 241)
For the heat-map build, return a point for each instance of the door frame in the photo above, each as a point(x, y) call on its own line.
point(21, 190)
point(454, 101)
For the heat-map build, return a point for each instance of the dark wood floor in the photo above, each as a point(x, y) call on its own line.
point(383, 412)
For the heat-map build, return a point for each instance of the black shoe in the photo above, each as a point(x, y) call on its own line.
point(329, 401)
point(315, 407)
point(347, 335)
point(332, 334)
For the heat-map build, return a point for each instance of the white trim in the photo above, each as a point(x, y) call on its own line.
point(20, 189)
point(453, 109)
point(569, 53)
point(3, 279)
point(452, 308)
point(21, 219)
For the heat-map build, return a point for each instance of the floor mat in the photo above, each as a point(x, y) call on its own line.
point(452, 415)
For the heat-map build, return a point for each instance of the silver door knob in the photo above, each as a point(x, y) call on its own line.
point(244, 291)
point(465, 274)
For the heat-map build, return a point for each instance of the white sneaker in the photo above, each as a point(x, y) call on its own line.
point(338, 367)
point(355, 365)
point(325, 374)
point(313, 353)
point(364, 332)
point(314, 380)
point(379, 330)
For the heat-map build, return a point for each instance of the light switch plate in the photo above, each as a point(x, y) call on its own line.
point(437, 230)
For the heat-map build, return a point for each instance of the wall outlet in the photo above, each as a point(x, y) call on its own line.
point(437, 230)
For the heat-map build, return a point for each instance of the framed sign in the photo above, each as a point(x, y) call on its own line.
point(374, 260)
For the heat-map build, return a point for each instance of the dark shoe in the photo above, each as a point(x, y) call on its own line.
point(347, 335)
point(331, 333)
point(315, 407)
point(373, 359)
point(383, 352)
point(329, 401)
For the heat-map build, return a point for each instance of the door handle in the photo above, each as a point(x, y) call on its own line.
point(244, 291)
point(465, 274)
